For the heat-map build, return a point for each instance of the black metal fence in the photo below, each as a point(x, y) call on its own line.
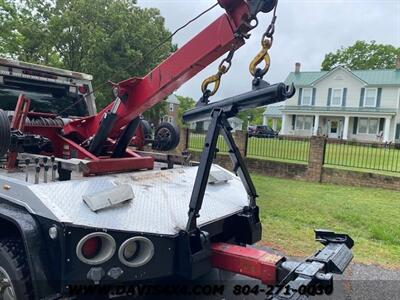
point(197, 139)
point(281, 148)
point(353, 155)
point(373, 156)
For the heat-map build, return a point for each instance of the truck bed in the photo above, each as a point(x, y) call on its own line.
point(160, 205)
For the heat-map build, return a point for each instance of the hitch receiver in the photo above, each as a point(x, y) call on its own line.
point(287, 275)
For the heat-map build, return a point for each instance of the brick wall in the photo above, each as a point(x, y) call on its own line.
point(354, 178)
point(263, 167)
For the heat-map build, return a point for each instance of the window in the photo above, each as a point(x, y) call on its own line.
point(306, 98)
point(373, 126)
point(304, 122)
point(47, 100)
point(171, 107)
point(308, 123)
point(299, 122)
point(368, 126)
point(370, 97)
point(337, 95)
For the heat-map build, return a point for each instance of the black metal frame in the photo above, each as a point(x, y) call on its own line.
point(218, 122)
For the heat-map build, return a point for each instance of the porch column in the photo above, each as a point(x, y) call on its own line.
point(316, 125)
point(346, 127)
point(265, 120)
point(386, 131)
point(274, 124)
point(284, 124)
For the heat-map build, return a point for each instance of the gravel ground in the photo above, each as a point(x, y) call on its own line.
point(367, 282)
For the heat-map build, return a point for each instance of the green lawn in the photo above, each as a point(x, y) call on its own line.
point(290, 210)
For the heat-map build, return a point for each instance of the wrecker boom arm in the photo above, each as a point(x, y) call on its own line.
point(140, 94)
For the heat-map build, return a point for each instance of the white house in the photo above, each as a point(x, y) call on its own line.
point(172, 110)
point(359, 105)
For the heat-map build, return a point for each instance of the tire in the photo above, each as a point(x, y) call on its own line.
point(146, 128)
point(166, 137)
point(14, 267)
point(5, 133)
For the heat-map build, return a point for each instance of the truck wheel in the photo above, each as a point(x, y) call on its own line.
point(166, 137)
point(15, 281)
point(146, 128)
point(5, 133)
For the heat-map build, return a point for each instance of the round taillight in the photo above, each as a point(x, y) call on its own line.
point(96, 248)
point(83, 89)
point(136, 252)
point(91, 247)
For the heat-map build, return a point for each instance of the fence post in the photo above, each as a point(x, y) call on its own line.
point(316, 158)
point(184, 139)
point(240, 137)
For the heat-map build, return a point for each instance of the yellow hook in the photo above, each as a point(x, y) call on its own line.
point(263, 55)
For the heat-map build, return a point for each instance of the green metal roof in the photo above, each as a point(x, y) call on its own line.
point(371, 77)
point(304, 78)
point(379, 77)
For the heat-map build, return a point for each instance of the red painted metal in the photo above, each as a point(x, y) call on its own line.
point(20, 113)
point(18, 122)
point(114, 165)
point(143, 93)
point(75, 150)
point(246, 261)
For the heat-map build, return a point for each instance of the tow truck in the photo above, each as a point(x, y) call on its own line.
point(79, 206)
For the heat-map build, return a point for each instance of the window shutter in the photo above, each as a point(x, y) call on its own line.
point(381, 124)
point(344, 97)
point(314, 93)
point(379, 96)
point(300, 95)
point(398, 132)
point(293, 121)
point(329, 97)
point(355, 125)
point(362, 97)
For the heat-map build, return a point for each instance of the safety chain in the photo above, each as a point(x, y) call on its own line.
point(225, 65)
point(263, 56)
point(223, 68)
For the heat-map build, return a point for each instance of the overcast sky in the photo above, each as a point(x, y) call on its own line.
point(306, 30)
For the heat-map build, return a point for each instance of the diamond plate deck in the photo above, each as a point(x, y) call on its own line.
point(160, 206)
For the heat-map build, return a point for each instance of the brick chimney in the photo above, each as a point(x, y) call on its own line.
point(398, 63)
point(297, 67)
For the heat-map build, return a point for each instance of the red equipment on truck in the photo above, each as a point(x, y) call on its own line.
point(122, 226)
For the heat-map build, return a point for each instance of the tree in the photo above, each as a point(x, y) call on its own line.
point(255, 114)
point(185, 103)
point(106, 38)
point(363, 56)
